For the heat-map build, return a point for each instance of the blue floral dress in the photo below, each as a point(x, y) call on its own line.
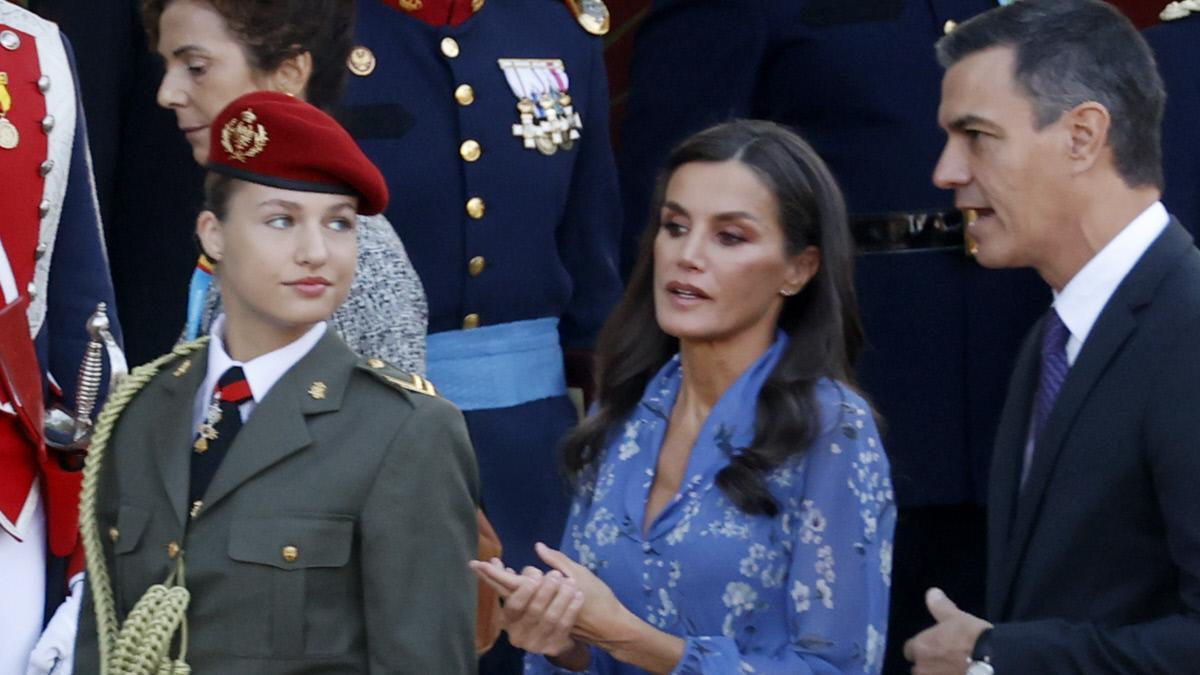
point(803, 592)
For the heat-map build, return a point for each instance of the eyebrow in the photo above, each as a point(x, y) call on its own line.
point(969, 120)
point(280, 202)
point(180, 51)
point(340, 206)
point(343, 206)
point(728, 215)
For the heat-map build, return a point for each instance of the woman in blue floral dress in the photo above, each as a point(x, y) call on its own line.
point(733, 508)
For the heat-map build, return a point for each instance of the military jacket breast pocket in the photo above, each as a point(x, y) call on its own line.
point(301, 566)
point(134, 572)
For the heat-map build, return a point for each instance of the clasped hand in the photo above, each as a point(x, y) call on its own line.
point(555, 613)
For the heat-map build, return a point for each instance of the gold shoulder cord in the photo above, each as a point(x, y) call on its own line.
point(140, 646)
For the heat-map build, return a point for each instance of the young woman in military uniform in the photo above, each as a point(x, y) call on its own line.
point(266, 500)
point(216, 50)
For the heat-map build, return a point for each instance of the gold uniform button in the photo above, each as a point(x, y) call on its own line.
point(949, 26)
point(471, 320)
point(450, 47)
point(464, 94)
point(476, 265)
point(173, 550)
point(361, 61)
point(290, 553)
point(376, 363)
point(470, 150)
point(475, 208)
point(114, 534)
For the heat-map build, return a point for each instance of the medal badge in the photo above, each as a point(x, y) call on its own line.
point(207, 431)
point(9, 137)
point(547, 120)
point(242, 137)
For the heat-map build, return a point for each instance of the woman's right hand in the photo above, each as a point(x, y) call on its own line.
point(539, 611)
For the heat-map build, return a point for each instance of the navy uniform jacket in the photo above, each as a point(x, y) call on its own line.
point(548, 231)
point(861, 83)
point(1176, 45)
point(539, 242)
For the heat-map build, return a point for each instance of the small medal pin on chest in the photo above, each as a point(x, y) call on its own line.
point(208, 428)
point(547, 120)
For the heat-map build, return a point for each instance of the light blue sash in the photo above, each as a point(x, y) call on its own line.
point(497, 366)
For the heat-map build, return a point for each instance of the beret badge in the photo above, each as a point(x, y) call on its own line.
point(242, 137)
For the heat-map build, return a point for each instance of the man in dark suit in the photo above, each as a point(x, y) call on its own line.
point(1053, 114)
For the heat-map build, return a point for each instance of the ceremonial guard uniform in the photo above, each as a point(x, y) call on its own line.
point(1176, 44)
point(489, 121)
point(860, 81)
point(53, 273)
point(147, 183)
point(308, 509)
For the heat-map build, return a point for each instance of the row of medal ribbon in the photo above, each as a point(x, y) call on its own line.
point(548, 120)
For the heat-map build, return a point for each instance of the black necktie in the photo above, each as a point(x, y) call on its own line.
point(222, 421)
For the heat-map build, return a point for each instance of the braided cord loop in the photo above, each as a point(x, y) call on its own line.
point(140, 646)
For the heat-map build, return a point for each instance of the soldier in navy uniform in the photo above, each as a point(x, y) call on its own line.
point(1176, 43)
point(859, 80)
point(489, 121)
point(53, 273)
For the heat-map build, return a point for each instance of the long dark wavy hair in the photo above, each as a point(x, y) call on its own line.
point(821, 320)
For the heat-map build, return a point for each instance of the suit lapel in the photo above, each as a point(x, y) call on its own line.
point(278, 427)
point(1113, 328)
point(1009, 451)
point(172, 434)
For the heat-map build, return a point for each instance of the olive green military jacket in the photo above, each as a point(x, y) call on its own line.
point(334, 537)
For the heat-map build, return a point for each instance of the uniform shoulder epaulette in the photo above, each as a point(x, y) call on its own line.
point(1178, 10)
point(591, 14)
point(396, 377)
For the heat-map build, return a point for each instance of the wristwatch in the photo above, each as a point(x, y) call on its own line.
point(980, 660)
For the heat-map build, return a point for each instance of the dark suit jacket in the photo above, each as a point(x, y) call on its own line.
point(1095, 566)
point(374, 486)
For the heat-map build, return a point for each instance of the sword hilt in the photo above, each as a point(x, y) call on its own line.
point(91, 370)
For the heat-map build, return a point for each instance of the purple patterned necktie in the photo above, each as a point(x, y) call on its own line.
point(1053, 373)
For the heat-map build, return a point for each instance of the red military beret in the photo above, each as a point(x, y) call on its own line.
point(274, 139)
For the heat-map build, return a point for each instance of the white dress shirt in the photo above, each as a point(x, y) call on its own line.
point(262, 372)
point(1080, 302)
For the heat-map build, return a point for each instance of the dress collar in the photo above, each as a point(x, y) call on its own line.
point(728, 429)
